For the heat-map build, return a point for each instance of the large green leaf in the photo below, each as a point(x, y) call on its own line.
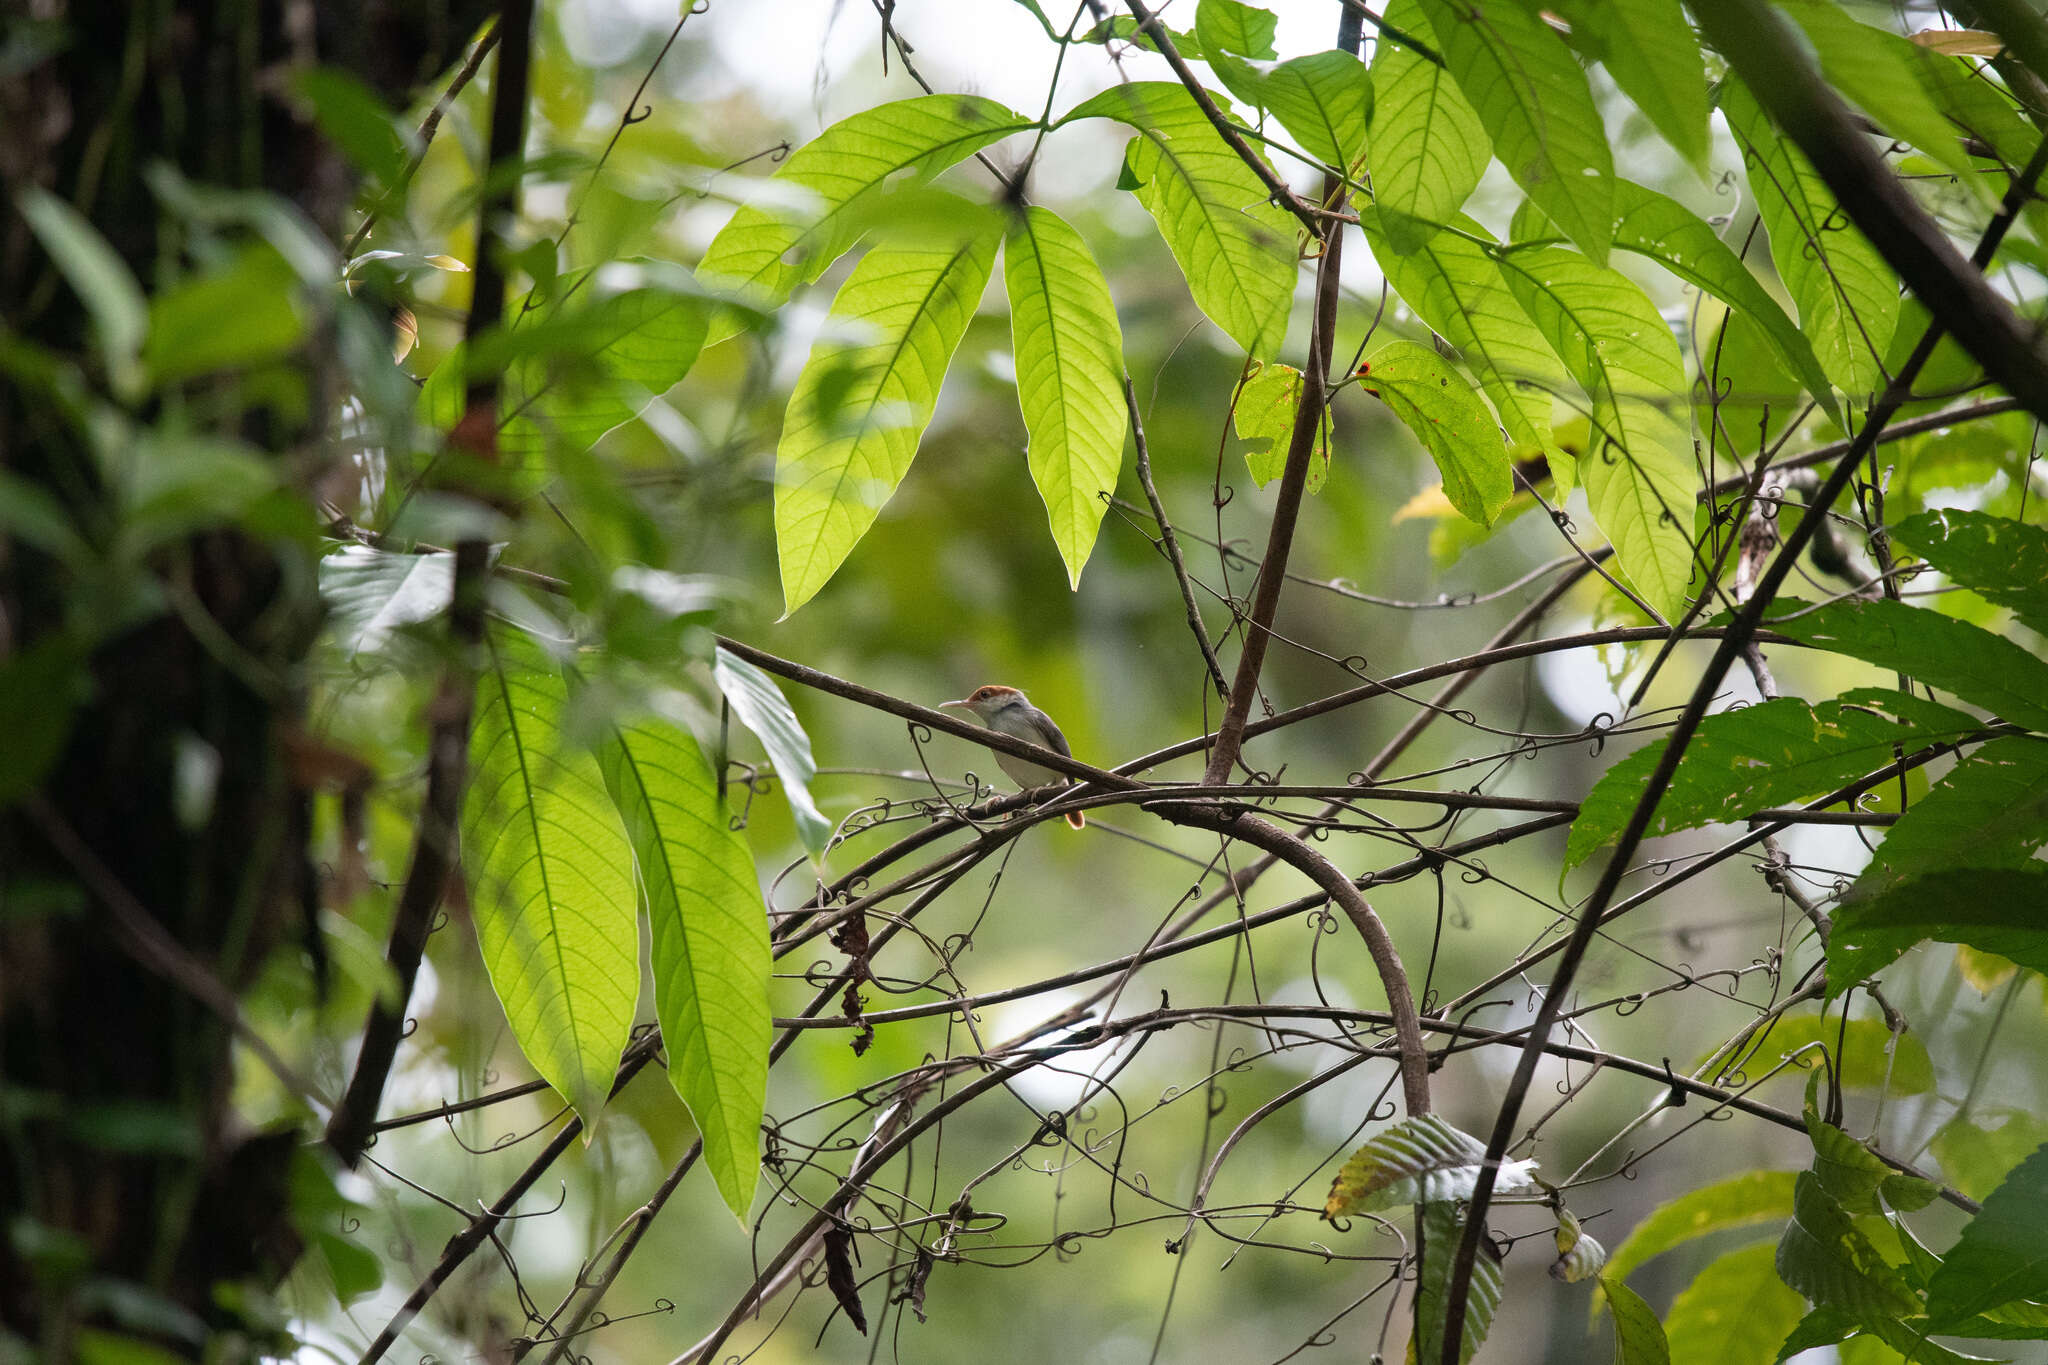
point(2001, 559)
point(1649, 49)
point(1264, 413)
point(1738, 1201)
point(1854, 1176)
point(1638, 1336)
point(1758, 757)
point(1230, 31)
point(710, 954)
point(2001, 1253)
point(1429, 147)
point(762, 708)
point(1069, 353)
point(1235, 248)
point(1682, 242)
point(823, 197)
point(1451, 282)
point(241, 312)
point(1847, 296)
point(862, 403)
point(551, 880)
point(1735, 1312)
point(1824, 1256)
point(1536, 105)
point(1436, 403)
point(1864, 1052)
point(1976, 1158)
point(635, 346)
point(1994, 909)
point(1984, 669)
point(1441, 1228)
point(1638, 467)
point(1324, 101)
point(1416, 1161)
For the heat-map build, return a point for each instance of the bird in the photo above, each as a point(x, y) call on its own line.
point(1007, 711)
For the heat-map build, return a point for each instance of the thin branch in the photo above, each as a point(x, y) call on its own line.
point(1170, 543)
point(429, 125)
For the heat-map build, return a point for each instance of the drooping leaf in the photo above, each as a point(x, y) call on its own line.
point(1649, 49)
point(1847, 297)
point(1535, 104)
point(762, 708)
point(1069, 353)
point(1638, 470)
point(710, 933)
point(1865, 1052)
point(1638, 1336)
point(2002, 560)
point(1325, 102)
point(1429, 146)
point(824, 194)
point(1441, 1227)
point(1235, 249)
point(1759, 757)
point(1453, 285)
point(1975, 1158)
point(1434, 401)
point(551, 880)
point(1735, 1312)
point(1417, 1161)
point(1827, 1258)
point(1264, 414)
point(1983, 669)
point(2001, 1255)
point(1738, 1201)
point(861, 405)
point(1678, 239)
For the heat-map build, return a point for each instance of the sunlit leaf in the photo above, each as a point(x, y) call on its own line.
point(1434, 401)
point(1325, 103)
point(1638, 471)
point(861, 406)
point(762, 708)
point(710, 935)
point(1264, 418)
point(1649, 49)
point(1429, 147)
point(1069, 353)
point(1534, 101)
point(1235, 248)
point(1847, 297)
point(551, 880)
point(1738, 1201)
point(1230, 31)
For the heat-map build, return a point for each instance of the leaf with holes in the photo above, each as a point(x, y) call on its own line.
point(861, 404)
point(551, 880)
point(2001, 560)
point(1235, 249)
point(1434, 401)
point(1069, 353)
point(1535, 104)
point(825, 195)
point(1417, 1161)
point(710, 935)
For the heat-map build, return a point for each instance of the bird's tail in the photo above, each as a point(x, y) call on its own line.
point(1076, 819)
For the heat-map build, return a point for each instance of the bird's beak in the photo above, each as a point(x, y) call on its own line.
point(961, 702)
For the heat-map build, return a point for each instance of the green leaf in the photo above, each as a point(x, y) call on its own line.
point(826, 192)
point(1324, 101)
point(1983, 669)
point(1978, 108)
point(1991, 810)
point(1638, 470)
point(551, 881)
point(1996, 909)
point(1853, 1175)
point(100, 278)
point(1429, 146)
point(1264, 414)
point(1649, 49)
point(1440, 1229)
point(1738, 1201)
point(241, 313)
point(1825, 1257)
point(1735, 1312)
point(633, 346)
point(1235, 249)
point(1976, 1158)
point(1638, 1336)
point(1579, 1256)
point(1436, 403)
point(1676, 238)
point(710, 954)
point(41, 688)
point(1454, 286)
point(351, 116)
point(1758, 757)
point(1230, 31)
point(761, 707)
point(2002, 560)
point(1069, 352)
point(860, 406)
point(1535, 103)
point(1864, 1051)
point(2001, 1255)
point(1416, 1161)
point(1847, 297)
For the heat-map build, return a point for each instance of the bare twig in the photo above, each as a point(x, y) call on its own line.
point(1170, 543)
